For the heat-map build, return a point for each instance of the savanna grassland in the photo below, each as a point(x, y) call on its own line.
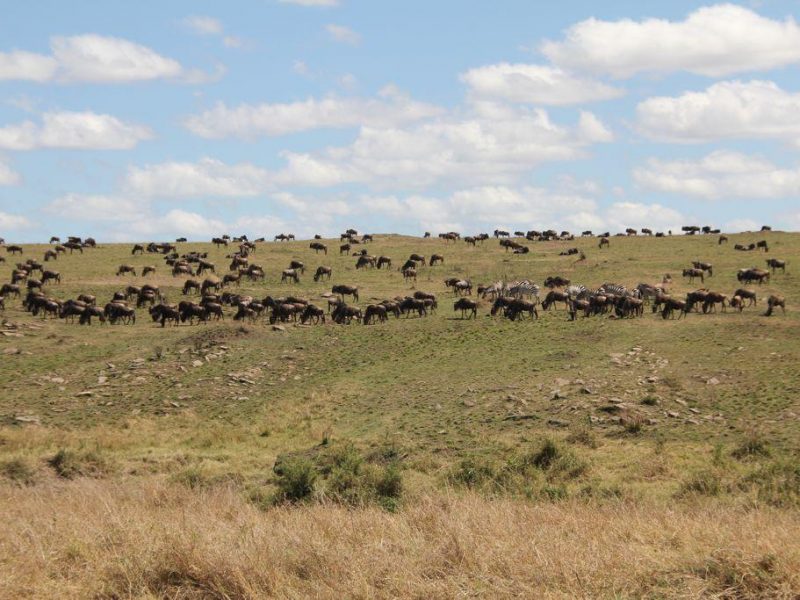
point(423, 457)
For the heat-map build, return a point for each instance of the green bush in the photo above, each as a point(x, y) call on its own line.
point(753, 446)
point(79, 463)
point(777, 483)
point(705, 483)
point(18, 470)
point(296, 480)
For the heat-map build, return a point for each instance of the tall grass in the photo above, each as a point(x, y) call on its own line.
point(100, 538)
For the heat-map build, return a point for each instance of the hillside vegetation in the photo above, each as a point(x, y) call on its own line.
point(422, 457)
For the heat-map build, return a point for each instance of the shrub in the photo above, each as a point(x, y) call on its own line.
point(76, 463)
point(472, 473)
point(584, 436)
point(754, 445)
point(777, 483)
point(705, 483)
point(18, 470)
point(296, 480)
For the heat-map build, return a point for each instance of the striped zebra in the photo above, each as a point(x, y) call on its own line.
point(494, 290)
point(577, 292)
point(614, 289)
point(518, 289)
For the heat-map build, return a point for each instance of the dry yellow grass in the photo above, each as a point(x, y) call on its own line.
point(119, 539)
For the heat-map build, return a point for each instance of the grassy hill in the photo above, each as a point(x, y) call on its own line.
point(639, 413)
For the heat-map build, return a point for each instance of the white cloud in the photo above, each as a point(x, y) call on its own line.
point(311, 2)
point(714, 41)
point(9, 222)
point(300, 67)
point(494, 144)
point(94, 58)
point(207, 177)
point(535, 84)
point(721, 174)
point(73, 130)
point(9, 176)
point(91, 208)
point(203, 25)
point(249, 121)
point(345, 35)
point(726, 110)
point(232, 41)
point(26, 66)
point(104, 59)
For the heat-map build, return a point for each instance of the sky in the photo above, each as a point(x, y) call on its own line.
point(154, 120)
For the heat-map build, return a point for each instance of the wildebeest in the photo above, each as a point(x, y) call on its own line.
point(290, 275)
point(375, 311)
point(283, 237)
point(671, 305)
point(604, 242)
point(384, 260)
point(692, 273)
point(50, 255)
point(774, 264)
point(51, 276)
point(763, 244)
point(204, 265)
point(704, 266)
point(407, 305)
point(147, 270)
point(9, 289)
point(465, 305)
point(365, 261)
point(14, 249)
point(137, 248)
point(344, 249)
point(163, 313)
point(417, 258)
point(556, 282)
point(314, 312)
point(746, 294)
point(773, 302)
point(711, 301)
point(555, 296)
point(346, 290)
point(722, 239)
point(343, 314)
point(190, 311)
point(191, 285)
point(410, 273)
point(436, 259)
point(323, 272)
point(746, 275)
point(317, 247)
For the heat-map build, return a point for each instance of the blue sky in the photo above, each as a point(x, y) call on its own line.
point(154, 120)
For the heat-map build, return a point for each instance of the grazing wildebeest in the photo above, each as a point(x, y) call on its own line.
point(555, 296)
point(120, 312)
point(465, 305)
point(343, 314)
point(410, 273)
point(774, 264)
point(230, 278)
point(697, 297)
point(190, 311)
point(722, 239)
point(51, 276)
point(365, 261)
point(147, 270)
point(746, 275)
point(137, 248)
point(366, 238)
point(323, 272)
point(373, 311)
point(556, 282)
point(773, 302)
point(204, 265)
point(417, 258)
point(671, 305)
point(763, 244)
point(346, 290)
point(163, 313)
point(407, 305)
point(711, 301)
point(746, 294)
point(210, 284)
point(516, 307)
point(89, 312)
point(181, 269)
point(297, 266)
point(604, 242)
point(344, 249)
point(314, 312)
point(9, 289)
point(384, 260)
point(436, 259)
point(290, 275)
point(431, 298)
point(692, 273)
point(704, 266)
point(74, 246)
point(50, 254)
point(14, 249)
point(191, 285)
point(317, 247)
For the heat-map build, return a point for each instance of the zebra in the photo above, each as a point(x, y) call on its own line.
point(645, 291)
point(518, 289)
point(494, 290)
point(577, 292)
point(613, 289)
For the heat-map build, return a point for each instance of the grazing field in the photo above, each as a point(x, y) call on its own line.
point(670, 446)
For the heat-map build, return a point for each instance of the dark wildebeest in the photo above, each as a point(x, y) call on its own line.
point(317, 247)
point(746, 294)
point(465, 305)
point(323, 272)
point(553, 297)
point(297, 266)
point(14, 249)
point(417, 258)
point(50, 254)
point(697, 297)
point(556, 282)
point(704, 266)
point(373, 311)
point(436, 259)
point(190, 311)
point(763, 244)
point(429, 298)
point(413, 304)
point(692, 273)
point(344, 249)
point(92, 311)
point(365, 261)
point(137, 248)
point(747, 275)
point(147, 270)
point(671, 305)
point(9, 289)
point(126, 269)
point(410, 273)
point(774, 264)
point(191, 285)
point(604, 242)
point(290, 275)
point(773, 302)
point(346, 290)
point(343, 314)
point(314, 312)
point(384, 260)
point(204, 265)
point(51, 276)
point(722, 239)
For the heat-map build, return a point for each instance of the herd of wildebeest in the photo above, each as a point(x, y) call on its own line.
point(207, 295)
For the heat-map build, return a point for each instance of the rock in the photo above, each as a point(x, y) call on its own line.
point(681, 402)
point(652, 421)
point(85, 393)
point(26, 419)
point(197, 363)
point(561, 382)
point(557, 423)
point(11, 350)
point(278, 328)
point(712, 381)
point(586, 390)
point(673, 414)
point(652, 379)
point(58, 380)
point(578, 382)
point(557, 395)
point(102, 379)
point(616, 401)
point(469, 403)
point(694, 410)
